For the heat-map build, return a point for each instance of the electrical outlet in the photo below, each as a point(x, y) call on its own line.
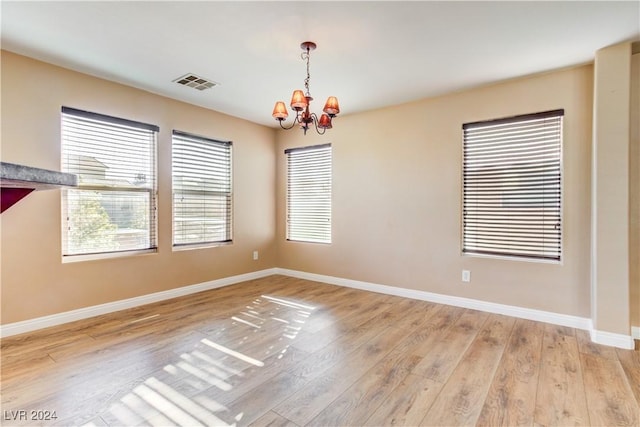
point(255, 255)
point(466, 275)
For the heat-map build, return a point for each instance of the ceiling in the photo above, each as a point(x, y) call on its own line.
point(369, 55)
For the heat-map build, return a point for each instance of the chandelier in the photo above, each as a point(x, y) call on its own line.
point(300, 103)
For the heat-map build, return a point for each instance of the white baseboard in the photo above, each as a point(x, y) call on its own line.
point(611, 339)
point(96, 310)
point(490, 307)
point(600, 337)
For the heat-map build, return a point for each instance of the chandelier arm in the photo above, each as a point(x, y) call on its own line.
point(314, 117)
point(295, 120)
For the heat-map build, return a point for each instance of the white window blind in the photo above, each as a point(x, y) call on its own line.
point(113, 209)
point(309, 194)
point(202, 196)
point(512, 186)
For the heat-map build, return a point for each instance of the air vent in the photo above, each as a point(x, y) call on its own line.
point(196, 82)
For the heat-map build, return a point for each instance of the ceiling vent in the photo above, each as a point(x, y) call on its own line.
point(195, 82)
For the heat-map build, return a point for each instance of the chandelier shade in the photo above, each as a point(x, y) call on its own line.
point(300, 101)
point(325, 122)
point(280, 111)
point(331, 106)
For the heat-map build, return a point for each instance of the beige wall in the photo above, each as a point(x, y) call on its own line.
point(397, 197)
point(34, 280)
point(610, 293)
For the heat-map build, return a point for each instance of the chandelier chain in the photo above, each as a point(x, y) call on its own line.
point(305, 56)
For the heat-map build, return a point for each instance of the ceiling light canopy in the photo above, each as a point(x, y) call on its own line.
point(300, 103)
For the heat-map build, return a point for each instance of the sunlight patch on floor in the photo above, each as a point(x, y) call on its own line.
point(205, 376)
point(210, 369)
point(208, 359)
point(246, 322)
point(186, 396)
point(288, 303)
point(233, 353)
point(144, 318)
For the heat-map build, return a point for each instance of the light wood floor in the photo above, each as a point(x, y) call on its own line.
point(287, 352)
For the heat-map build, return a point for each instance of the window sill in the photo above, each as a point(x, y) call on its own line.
point(107, 255)
point(308, 241)
point(513, 258)
point(190, 247)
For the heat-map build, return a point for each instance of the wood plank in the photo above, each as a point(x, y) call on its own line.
point(351, 308)
point(338, 351)
point(360, 400)
point(23, 369)
point(315, 341)
point(461, 399)
point(271, 419)
point(630, 361)
point(127, 408)
point(613, 404)
point(251, 406)
point(71, 388)
point(586, 346)
point(509, 401)
point(561, 330)
point(320, 392)
point(81, 374)
point(416, 314)
point(421, 340)
point(246, 381)
point(446, 352)
point(23, 346)
point(358, 318)
point(398, 310)
point(561, 399)
point(407, 404)
point(412, 313)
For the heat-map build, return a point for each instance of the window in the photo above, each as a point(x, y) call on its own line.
point(309, 194)
point(201, 190)
point(113, 208)
point(512, 186)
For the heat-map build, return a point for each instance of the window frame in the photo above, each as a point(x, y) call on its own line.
point(229, 195)
point(67, 151)
point(555, 257)
point(295, 237)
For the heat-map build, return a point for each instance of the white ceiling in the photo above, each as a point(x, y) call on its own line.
point(370, 54)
